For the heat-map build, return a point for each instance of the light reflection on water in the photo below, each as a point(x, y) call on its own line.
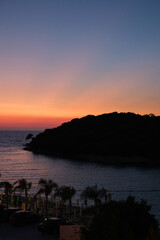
point(16, 163)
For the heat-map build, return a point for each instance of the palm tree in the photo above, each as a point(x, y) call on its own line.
point(25, 186)
point(46, 188)
point(7, 190)
point(93, 193)
point(66, 193)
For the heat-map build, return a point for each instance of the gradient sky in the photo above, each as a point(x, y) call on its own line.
point(61, 59)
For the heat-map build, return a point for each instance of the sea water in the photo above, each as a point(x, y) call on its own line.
point(16, 163)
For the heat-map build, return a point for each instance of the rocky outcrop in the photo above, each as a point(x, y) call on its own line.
point(107, 137)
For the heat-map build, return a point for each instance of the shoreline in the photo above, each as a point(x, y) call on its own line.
point(106, 160)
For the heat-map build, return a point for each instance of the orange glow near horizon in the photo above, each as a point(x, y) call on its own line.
point(32, 100)
point(30, 122)
point(26, 122)
point(60, 61)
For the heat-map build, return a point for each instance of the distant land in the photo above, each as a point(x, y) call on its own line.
point(113, 138)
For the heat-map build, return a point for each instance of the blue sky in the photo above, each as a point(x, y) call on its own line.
point(69, 58)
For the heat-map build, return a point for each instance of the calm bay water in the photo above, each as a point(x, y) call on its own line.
point(16, 163)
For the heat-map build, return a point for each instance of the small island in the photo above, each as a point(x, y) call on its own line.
point(113, 138)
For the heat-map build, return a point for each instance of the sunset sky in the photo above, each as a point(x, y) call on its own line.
point(61, 59)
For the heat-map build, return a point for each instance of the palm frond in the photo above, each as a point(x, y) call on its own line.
point(93, 193)
point(47, 186)
point(22, 185)
point(15, 182)
point(42, 181)
point(102, 193)
point(29, 185)
point(40, 191)
point(65, 192)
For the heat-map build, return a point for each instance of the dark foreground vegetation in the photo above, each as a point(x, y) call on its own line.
point(123, 220)
point(105, 219)
point(111, 138)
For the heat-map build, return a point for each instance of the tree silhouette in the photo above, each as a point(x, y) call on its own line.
point(25, 186)
point(93, 193)
point(7, 190)
point(46, 188)
point(29, 136)
point(123, 220)
point(66, 193)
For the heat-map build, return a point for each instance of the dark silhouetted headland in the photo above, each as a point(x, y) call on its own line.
point(115, 138)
